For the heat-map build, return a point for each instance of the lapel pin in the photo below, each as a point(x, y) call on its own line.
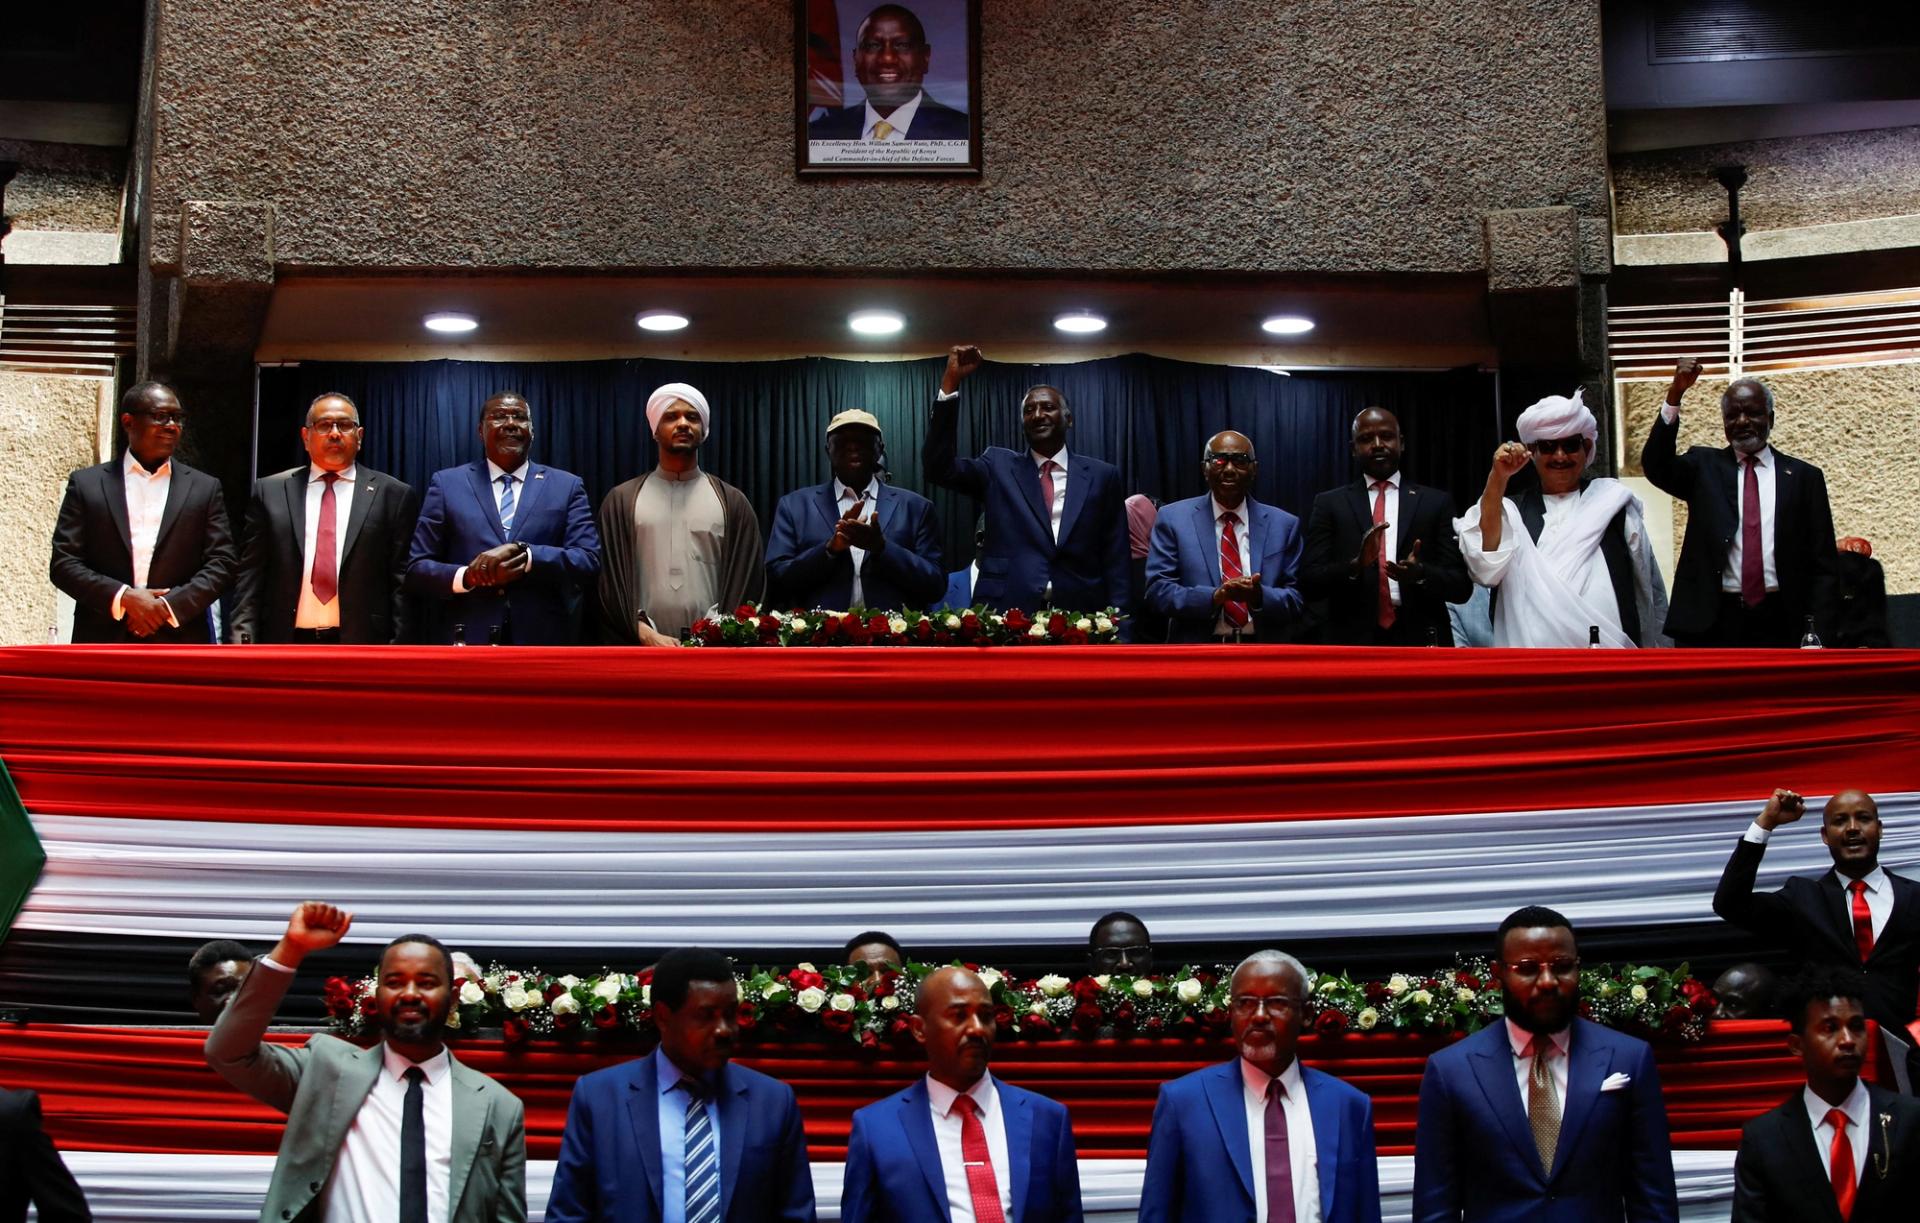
point(1883, 1157)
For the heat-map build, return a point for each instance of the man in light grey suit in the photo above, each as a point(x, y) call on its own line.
point(398, 1131)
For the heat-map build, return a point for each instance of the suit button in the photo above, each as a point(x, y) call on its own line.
point(313, 1187)
point(286, 1214)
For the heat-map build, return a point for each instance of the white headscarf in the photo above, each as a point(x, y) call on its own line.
point(658, 401)
point(1554, 417)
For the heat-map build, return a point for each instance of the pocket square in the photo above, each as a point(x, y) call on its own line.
point(1616, 1082)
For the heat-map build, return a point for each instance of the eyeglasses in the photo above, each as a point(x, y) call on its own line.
point(334, 426)
point(1559, 445)
point(1566, 970)
point(1236, 459)
point(162, 420)
point(1248, 1004)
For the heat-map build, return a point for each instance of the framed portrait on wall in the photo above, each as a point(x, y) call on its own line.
point(885, 88)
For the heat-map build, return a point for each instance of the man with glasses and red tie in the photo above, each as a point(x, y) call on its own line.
point(1758, 558)
point(142, 543)
point(1262, 1139)
point(1566, 556)
point(1542, 1117)
point(1222, 567)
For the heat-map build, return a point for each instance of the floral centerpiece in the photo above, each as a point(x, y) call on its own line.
point(751, 625)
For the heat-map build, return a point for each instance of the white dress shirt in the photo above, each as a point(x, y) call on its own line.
point(1764, 470)
point(946, 1134)
point(1857, 1107)
point(901, 119)
point(1300, 1141)
point(845, 499)
point(1390, 539)
point(1879, 886)
point(1241, 540)
point(365, 1184)
point(494, 472)
point(312, 613)
point(1522, 1042)
point(146, 506)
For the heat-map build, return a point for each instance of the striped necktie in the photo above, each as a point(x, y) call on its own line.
point(702, 1160)
point(506, 505)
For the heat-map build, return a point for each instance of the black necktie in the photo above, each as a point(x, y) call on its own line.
point(413, 1150)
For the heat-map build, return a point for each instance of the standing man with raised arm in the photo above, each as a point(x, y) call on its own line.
point(399, 1131)
point(1056, 521)
point(142, 544)
point(1759, 556)
point(1382, 551)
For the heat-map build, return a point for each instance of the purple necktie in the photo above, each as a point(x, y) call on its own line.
point(1279, 1157)
point(1753, 571)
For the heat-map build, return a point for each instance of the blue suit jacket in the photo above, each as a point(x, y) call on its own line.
point(1183, 568)
point(893, 1161)
point(932, 121)
point(459, 521)
point(959, 591)
point(802, 573)
point(1087, 566)
point(1474, 1157)
point(1200, 1166)
point(609, 1166)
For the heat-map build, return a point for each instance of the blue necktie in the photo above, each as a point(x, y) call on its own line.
point(506, 505)
point(702, 1160)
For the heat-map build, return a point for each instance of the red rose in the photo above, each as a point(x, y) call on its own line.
point(745, 611)
point(1156, 1024)
point(701, 628)
point(886, 985)
point(1123, 1016)
point(1086, 989)
point(804, 980)
point(514, 1030)
point(899, 1027)
point(1003, 1016)
point(877, 623)
point(744, 1018)
point(869, 1040)
point(969, 623)
point(922, 630)
point(943, 638)
point(712, 635)
point(769, 625)
point(567, 1022)
point(1075, 636)
point(1466, 980)
point(1088, 1016)
point(1375, 991)
point(554, 990)
point(368, 1006)
point(1037, 1025)
point(1330, 1022)
point(838, 1022)
point(606, 1018)
point(1215, 1021)
point(643, 977)
point(1018, 621)
point(1056, 624)
point(829, 626)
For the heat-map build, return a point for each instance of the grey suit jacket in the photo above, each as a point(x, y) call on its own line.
point(321, 1087)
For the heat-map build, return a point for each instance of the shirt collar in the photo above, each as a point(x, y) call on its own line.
point(1520, 1039)
point(901, 118)
point(131, 466)
point(1393, 481)
point(1256, 1079)
point(314, 474)
point(495, 471)
point(1875, 879)
point(669, 1075)
point(1058, 458)
point(870, 494)
point(942, 1096)
point(397, 1064)
point(1855, 1106)
point(1246, 514)
point(1762, 457)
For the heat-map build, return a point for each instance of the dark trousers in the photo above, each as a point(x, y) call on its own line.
point(1768, 624)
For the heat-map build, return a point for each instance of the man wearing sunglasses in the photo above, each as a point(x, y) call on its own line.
point(1222, 567)
point(142, 543)
point(1566, 555)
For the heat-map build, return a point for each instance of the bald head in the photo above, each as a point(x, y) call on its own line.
point(1377, 444)
point(1228, 465)
point(953, 1019)
point(942, 984)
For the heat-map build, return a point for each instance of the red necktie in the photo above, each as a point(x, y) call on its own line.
point(1862, 920)
point(326, 577)
point(984, 1190)
point(1046, 492)
point(1230, 567)
point(1753, 570)
point(1379, 516)
point(1840, 1164)
point(1279, 1157)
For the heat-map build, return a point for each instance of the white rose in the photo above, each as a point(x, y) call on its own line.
point(775, 993)
point(564, 1005)
point(1326, 985)
point(1103, 624)
point(1038, 630)
point(1143, 988)
point(842, 1002)
point(806, 968)
point(1037, 1008)
point(896, 625)
point(646, 995)
point(569, 980)
point(1189, 990)
point(1366, 1019)
point(1397, 984)
point(453, 1017)
point(1639, 993)
point(470, 992)
point(889, 1003)
point(493, 982)
point(607, 990)
point(1103, 980)
point(991, 977)
point(1053, 985)
point(1464, 994)
point(514, 997)
point(952, 621)
point(1420, 997)
point(811, 999)
point(1083, 624)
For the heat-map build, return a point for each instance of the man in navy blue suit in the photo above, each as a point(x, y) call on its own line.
point(1542, 1117)
point(854, 541)
point(1223, 567)
point(528, 530)
point(1262, 1139)
point(1056, 522)
point(959, 1146)
point(890, 59)
point(717, 1143)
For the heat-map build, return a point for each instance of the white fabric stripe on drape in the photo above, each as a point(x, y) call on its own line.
point(218, 1188)
point(992, 887)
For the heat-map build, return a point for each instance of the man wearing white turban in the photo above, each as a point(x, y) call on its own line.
point(1568, 555)
point(679, 543)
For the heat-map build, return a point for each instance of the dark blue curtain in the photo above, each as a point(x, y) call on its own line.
point(1148, 415)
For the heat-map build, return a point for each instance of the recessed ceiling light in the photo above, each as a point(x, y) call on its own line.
point(1080, 322)
point(451, 323)
point(876, 322)
point(1287, 324)
point(661, 320)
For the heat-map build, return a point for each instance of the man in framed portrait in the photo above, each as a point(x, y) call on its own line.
point(890, 58)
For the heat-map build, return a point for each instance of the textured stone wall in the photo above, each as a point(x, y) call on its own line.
point(1291, 135)
point(53, 424)
point(1803, 180)
point(1857, 425)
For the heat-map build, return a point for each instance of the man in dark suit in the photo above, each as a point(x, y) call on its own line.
point(1839, 1150)
point(142, 544)
point(890, 59)
point(1056, 523)
point(854, 541)
point(326, 545)
point(528, 529)
point(1223, 567)
point(959, 1143)
point(30, 1169)
point(1262, 1138)
point(666, 1108)
point(1856, 915)
point(1542, 1116)
point(1381, 551)
point(1759, 556)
